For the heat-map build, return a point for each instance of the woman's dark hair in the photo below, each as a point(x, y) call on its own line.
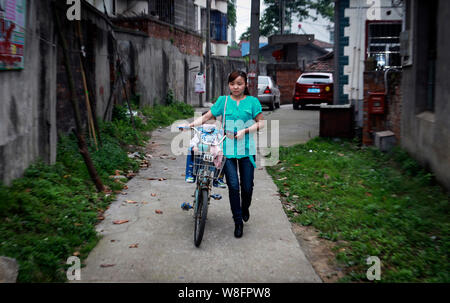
point(237, 74)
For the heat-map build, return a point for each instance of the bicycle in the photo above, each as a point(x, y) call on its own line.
point(206, 172)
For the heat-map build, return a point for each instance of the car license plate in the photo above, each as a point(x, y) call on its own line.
point(208, 158)
point(314, 90)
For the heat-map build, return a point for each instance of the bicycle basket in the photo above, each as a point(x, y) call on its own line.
point(208, 165)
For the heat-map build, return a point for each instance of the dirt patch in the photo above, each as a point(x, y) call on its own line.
point(319, 253)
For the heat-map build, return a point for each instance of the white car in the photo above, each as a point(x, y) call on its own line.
point(268, 92)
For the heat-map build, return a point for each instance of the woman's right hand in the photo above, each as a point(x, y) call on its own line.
point(184, 126)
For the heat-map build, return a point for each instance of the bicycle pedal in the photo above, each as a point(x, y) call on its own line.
point(186, 206)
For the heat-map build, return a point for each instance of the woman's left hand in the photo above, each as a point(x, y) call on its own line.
point(240, 134)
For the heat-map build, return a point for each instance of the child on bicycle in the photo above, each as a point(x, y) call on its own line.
point(209, 133)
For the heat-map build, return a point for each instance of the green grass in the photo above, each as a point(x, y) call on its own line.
point(374, 204)
point(52, 211)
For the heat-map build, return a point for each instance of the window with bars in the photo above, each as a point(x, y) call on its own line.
point(163, 9)
point(219, 25)
point(384, 43)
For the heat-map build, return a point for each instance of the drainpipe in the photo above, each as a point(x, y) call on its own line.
point(386, 84)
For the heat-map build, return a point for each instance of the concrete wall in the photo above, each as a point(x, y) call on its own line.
point(28, 97)
point(34, 102)
point(95, 33)
point(426, 133)
point(158, 66)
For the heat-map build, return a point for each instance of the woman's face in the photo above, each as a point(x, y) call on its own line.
point(237, 87)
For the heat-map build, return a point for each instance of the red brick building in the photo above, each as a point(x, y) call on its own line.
point(324, 64)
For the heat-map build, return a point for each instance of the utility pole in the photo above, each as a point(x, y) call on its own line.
point(208, 51)
point(253, 69)
point(282, 15)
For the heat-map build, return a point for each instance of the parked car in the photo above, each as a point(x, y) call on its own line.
point(313, 88)
point(268, 92)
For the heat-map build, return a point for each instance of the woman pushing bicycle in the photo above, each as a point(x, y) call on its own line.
point(242, 115)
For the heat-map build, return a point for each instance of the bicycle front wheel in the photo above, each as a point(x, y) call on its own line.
point(200, 216)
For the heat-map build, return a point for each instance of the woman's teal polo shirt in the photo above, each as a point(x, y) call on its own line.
point(238, 118)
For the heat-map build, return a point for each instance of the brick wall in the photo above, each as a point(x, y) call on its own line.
point(286, 80)
point(186, 41)
point(391, 119)
point(394, 101)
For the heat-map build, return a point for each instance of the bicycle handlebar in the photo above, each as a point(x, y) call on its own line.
point(188, 127)
point(227, 132)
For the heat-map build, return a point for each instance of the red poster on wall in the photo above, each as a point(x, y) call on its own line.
point(12, 34)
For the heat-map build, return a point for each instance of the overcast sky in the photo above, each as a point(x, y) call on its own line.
point(243, 15)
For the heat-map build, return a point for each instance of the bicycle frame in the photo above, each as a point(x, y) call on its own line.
point(207, 168)
point(201, 162)
point(204, 168)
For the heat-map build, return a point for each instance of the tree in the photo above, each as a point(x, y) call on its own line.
point(231, 13)
point(270, 21)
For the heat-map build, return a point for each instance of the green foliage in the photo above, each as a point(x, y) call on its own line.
point(231, 14)
point(159, 115)
point(125, 133)
point(374, 204)
point(301, 9)
point(120, 113)
point(170, 98)
point(49, 213)
point(52, 211)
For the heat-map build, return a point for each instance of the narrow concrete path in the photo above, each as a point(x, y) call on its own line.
point(268, 251)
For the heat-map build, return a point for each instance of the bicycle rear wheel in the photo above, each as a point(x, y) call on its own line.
point(200, 216)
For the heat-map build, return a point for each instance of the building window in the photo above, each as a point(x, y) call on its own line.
point(163, 10)
point(383, 43)
point(219, 25)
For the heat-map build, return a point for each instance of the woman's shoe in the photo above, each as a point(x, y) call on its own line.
point(238, 230)
point(245, 214)
point(219, 183)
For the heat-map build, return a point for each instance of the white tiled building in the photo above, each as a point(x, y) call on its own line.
point(219, 39)
point(373, 31)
